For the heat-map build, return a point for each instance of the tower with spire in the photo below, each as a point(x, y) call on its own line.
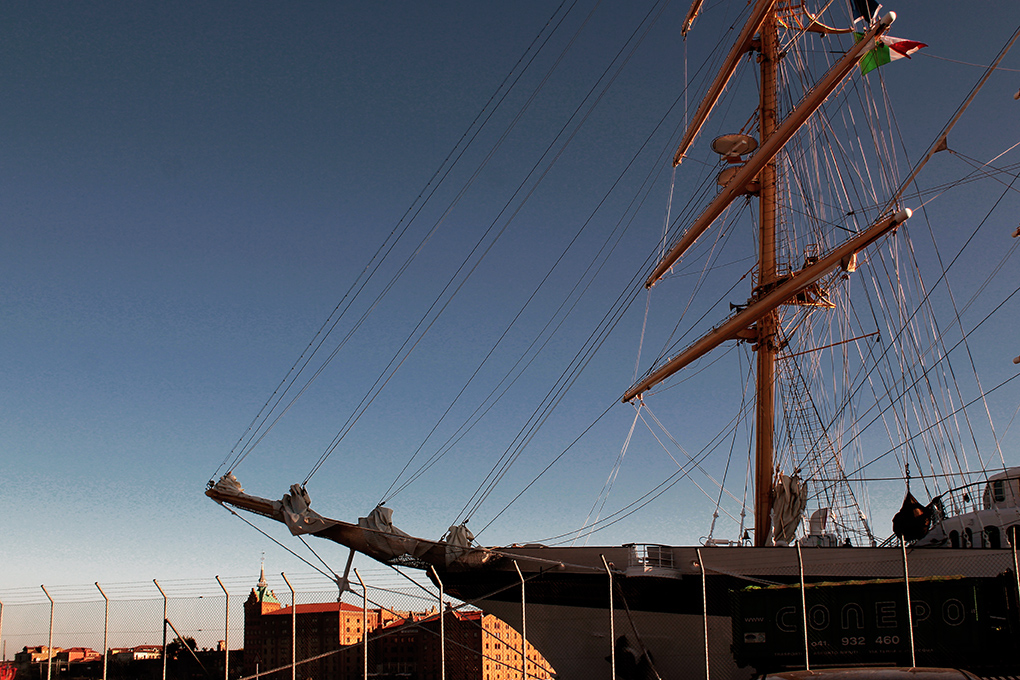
point(261, 600)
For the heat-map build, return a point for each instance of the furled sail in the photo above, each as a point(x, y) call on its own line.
point(788, 507)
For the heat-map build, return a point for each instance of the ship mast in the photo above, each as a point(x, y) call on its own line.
point(767, 327)
point(759, 321)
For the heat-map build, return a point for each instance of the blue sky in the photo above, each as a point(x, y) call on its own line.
point(188, 190)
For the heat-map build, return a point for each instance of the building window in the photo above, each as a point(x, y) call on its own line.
point(999, 490)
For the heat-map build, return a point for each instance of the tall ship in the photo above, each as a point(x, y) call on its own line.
point(851, 352)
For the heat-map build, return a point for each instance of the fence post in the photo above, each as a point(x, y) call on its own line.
point(49, 643)
point(163, 653)
point(704, 610)
point(1013, 535)
point(106, 629)
point(364, 624)
point(524, 627)
point(5, 646)
point(293, 628)
point(803, 607)
point(442, 628)
point(612, 622)
point(910, 608)
point(226, 632)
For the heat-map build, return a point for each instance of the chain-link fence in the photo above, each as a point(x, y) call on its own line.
point(735, 613)
point(802, 609)
point(255, 628)
point(653, 613)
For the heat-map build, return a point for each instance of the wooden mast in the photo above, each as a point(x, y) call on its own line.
point(761, 165)
point(767, 338)
point(768, 148)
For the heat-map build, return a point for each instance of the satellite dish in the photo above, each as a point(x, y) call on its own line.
point(734, 145)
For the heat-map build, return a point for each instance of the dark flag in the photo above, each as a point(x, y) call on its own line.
point(866, 9)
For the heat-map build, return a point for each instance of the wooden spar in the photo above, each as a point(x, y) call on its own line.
point(831, 345)
point(361, 539)
point(740, 47)
point(738, 324)
point(692, 14)
point(771, 147)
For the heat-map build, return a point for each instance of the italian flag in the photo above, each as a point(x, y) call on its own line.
point(887, 48)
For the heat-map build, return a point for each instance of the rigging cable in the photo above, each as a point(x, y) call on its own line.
point(397, 360)
point(690, 458)
point(548, 467)
point(795, 165)
point(733, 446)
point(607, 487)
point(622, 302)
point(651, 495)
point(641, 501)
point(407, 222)
point(463, 428)
point(960, 325)
point(335, 576)
point(256, 528)
point(501, 467)
point(942, 137)
point(722, 235)
point(981, 172)
point(941, 142)
point(959, 322)
point(966, 63)
point(663, 244)
point(935, 146)
point(910, 387)
point(949, 415)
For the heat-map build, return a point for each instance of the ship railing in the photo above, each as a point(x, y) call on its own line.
point(986, 494)
point(650, 558)
point(983, 513)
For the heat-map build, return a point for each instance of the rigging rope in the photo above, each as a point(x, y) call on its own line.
point(934, 146)
point(910, 387)
point(949, 415)
point(256, 528)
point(733, 444)
point(397, 360)
point(647, 497)
point(942, 137)
point(598, 98)
point(406, 221)
point(690, 458)
point(528, 431)
point(929, 55)
point(603, 494)
point(621, 59)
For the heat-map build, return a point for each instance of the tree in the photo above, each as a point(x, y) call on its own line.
point(176, 649)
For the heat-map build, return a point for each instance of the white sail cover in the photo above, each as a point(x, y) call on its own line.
point(458, 542)
point(383, 536)
point(787, 508)
point(298, 514)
